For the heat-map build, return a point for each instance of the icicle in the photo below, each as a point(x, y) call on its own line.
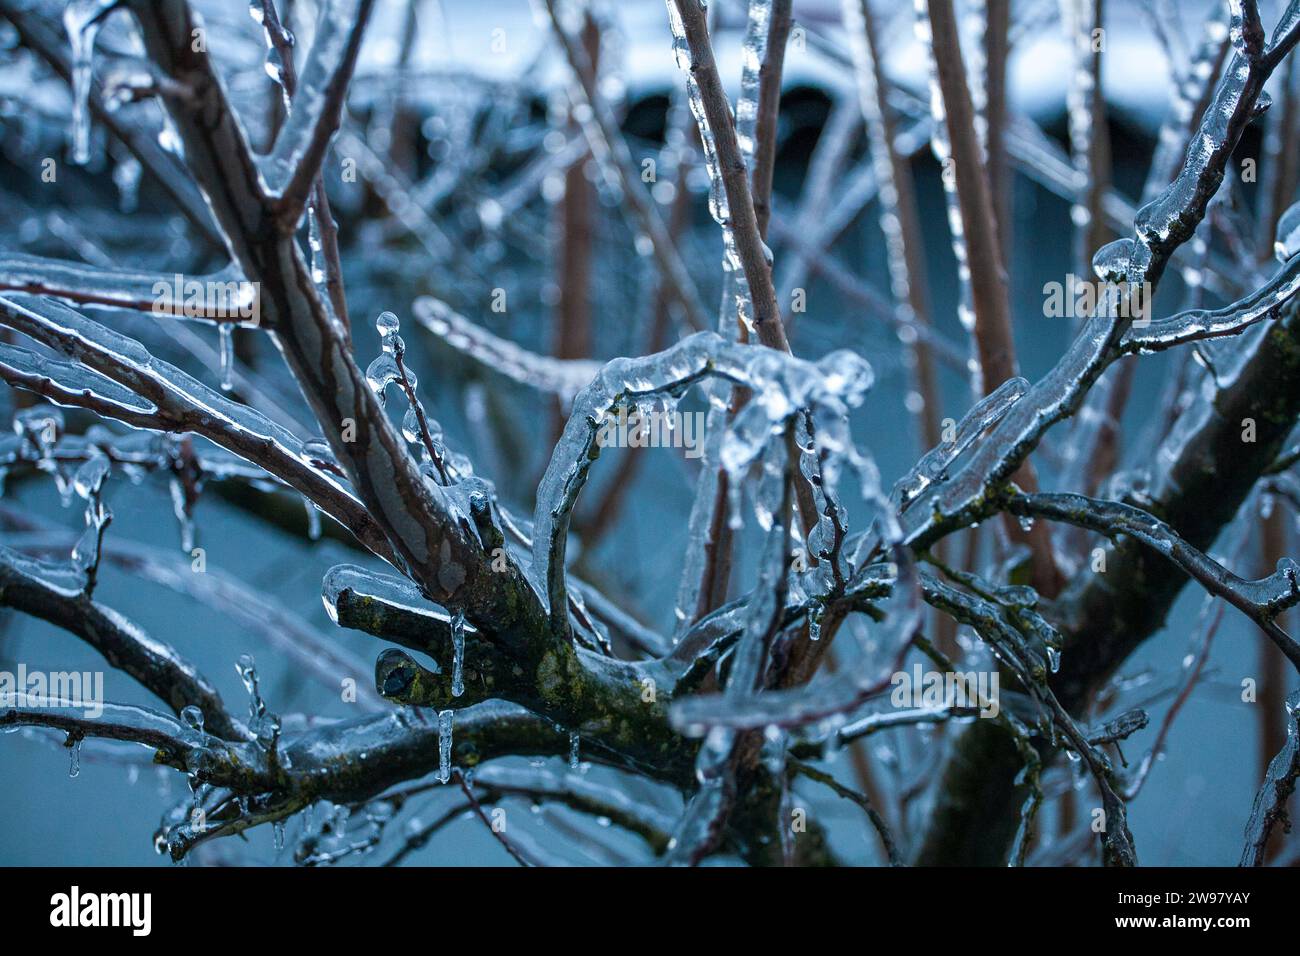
point(445, 718)
point(313, 519)
point(192, 717)
point(458, 653)
point(225, 331)
point(181, 509)
point(381, 373)
point(85, 553)
point(74, 748)
point(753, 53)
point(82, 19)
point(317, 247)
point(574, 742)
point(247, 671)
point(126, 177)
point(88, 483)
point(1287, 242)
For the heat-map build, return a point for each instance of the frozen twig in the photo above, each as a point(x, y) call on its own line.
point(317, 108)
point(43, 590)
point(719, 128)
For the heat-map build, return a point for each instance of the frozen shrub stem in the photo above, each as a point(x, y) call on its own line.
point(504, 647)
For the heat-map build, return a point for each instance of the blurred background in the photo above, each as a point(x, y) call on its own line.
point(460, 133)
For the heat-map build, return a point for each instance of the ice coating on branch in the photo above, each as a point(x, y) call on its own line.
point(192, 717)
point(782, 386)
point(64, 328)
point(59, 576)
point(735, 286)
point(346, 586)
point(1177, 127)
point(274, 65)
point(934, 465)
point(264, 725)
point(381, 373)
point(942, 149)
point(1279, 781)
point(718, 207)
point(1166, 216)
point(1194, 325)
point(835, 695)
point(1076, 21)
point(82, 20)
point(865, 69)
point(1160, 227)
point(753, 53)
point(316, 247)
point(562, 377)
point(736, 302)
point(90, 476)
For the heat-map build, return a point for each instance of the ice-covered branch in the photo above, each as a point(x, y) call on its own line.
point(52, 593)
point(877, 821)
point(1159, 229)
point(580, 794)
point(153, 394)
point(782, 386)
point(604, 700)
point(1104, 617)
point(162, 295)
point(1003, 629)
point(51, 46)
point(775, 19)
point(722, 150)
point(317, 108)
point(1193, 325)
point(610, 148)
point(74, 386)
point(427, 540)
point(469, 669)
point(836, 694)
point(561, 377)
point(1279, 783)
point(174, 741)
point(1260, 600)
point(261, 613)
